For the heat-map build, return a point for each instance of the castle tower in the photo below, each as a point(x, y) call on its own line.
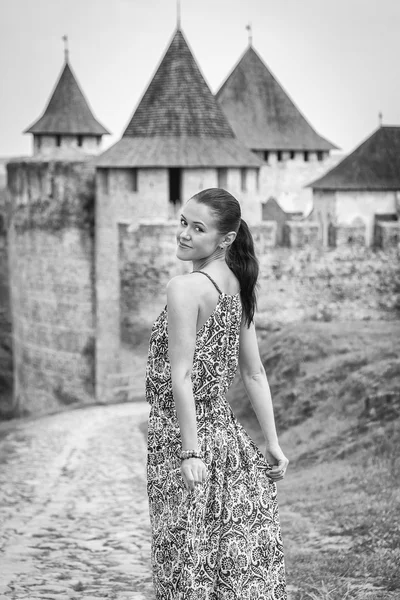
point(267, 121)
point(51, 266)
point(177, 143)
point(67, 121)
point(263, 116)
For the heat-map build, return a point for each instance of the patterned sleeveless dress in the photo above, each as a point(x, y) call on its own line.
point(221, 541)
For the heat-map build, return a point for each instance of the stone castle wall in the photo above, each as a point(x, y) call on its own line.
point(6, 364)
point(350, 282)
point(51, 258)
point(303, 281)
point(147, 262)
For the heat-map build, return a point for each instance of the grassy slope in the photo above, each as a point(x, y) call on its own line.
point(340, 501)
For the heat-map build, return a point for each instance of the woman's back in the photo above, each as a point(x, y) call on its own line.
point(216, 353)
point(221, 281)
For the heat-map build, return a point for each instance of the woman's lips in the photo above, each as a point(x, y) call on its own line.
point(183, 245)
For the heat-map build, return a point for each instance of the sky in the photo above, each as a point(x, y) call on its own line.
point(338, 60)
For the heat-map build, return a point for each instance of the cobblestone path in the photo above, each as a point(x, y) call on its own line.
point(73, 507)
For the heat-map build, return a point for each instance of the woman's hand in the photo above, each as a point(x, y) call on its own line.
point(194, 472)
point(279, 462)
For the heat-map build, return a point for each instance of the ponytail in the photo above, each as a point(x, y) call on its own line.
point(241, 259)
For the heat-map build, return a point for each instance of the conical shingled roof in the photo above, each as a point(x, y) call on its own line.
point(178, 101)
point(67, 111)
point(260, 111)
point(178, 122)
point(374, 165)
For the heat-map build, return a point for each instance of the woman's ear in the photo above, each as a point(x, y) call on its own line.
point(229, 238)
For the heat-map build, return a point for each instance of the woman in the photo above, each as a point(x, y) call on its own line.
point(212, 494)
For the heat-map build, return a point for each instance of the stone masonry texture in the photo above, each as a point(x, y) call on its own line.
point(6, 363)
point(106, 284)
point(51, 258)
point(299, 282)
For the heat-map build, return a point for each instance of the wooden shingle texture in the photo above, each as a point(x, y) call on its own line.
point(374, 165)
point(178, 122)
point(260, 111)
point(178, 100)
point(68, 111)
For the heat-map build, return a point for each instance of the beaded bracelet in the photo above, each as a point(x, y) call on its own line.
point(190, 454)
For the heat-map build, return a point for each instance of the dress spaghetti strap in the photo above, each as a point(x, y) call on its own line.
point(211, 279)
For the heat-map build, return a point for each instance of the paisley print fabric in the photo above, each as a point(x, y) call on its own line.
point(221, 541)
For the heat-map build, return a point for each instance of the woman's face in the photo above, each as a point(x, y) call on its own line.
point(197, 236)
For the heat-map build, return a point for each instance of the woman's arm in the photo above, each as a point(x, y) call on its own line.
point(257, 387)
point(183, 310)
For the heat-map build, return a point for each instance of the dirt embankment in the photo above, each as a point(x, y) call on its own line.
point(336, 392)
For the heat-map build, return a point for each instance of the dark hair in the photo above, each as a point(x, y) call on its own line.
point(240, 258)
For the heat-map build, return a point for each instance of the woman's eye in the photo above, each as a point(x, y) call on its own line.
point(183, 222)
point(199, 229)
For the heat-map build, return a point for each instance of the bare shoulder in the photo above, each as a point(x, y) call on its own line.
point(177, 283)
point(190, 282)
point(183, 289)
point(183, 304)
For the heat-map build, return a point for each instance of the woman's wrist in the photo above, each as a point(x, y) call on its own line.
point(190, 454)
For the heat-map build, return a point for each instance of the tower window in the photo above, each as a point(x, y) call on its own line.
point(175, 186)
point(58, 140)
point(292, 154)
point(38, 141)
point(279, 155)
point(320, 155)
point(222, 178)
point(243, 179)
point(306, 156)
point(266, 155)
point(80, 140)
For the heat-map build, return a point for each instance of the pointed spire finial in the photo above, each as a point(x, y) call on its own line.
point(178, 14)
point(380, 117)
point(66, 50)
point(249, 29)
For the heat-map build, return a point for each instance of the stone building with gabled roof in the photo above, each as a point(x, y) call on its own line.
point(364, 185)
point(67, 122)
point(178, 142)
